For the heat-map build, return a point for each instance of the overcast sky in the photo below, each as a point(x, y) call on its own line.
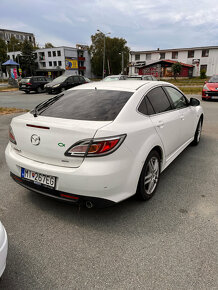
point(145, 24)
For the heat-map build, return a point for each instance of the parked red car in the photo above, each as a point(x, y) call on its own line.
point(210, 89)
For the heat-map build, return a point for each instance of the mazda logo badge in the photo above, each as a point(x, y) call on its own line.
point(35, 139)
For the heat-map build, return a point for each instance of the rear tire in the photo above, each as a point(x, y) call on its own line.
point(39, 90)
point(27, 92)
point(197, 136)
point(149, 177)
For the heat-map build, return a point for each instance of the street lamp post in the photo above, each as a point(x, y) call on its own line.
point(103, 50)
point(122, 63)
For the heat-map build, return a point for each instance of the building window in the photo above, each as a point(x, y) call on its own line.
point(174, 54)
point(43, 64)
point(191, 53)
point(205, 52)
point(203, 67)
point(54, 53)
point(59, 63)
point(148, 56)
point(59, 53)
point(162, 55)
point(49, 53)
point(55, 63)
point(137, 57)
point(50, 63)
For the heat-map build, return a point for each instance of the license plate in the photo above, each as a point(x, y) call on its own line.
point(214, 98)
point(23, 86)
point(38, 178)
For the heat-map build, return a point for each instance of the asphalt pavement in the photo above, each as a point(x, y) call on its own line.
point(170, 242)
point(21, 100)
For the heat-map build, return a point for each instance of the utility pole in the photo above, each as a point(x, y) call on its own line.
point(122, 64)
point(104, 34)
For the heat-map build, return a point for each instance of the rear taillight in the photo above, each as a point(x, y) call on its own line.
point(29, 84)
point(11, 136)
point(95, 147)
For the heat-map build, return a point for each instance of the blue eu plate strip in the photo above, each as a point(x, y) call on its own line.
point(22, 172)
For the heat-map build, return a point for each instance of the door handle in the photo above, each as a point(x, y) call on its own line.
point(160, 124)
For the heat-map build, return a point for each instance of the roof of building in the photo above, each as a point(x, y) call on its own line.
point(165, 60)
point(173, 49)
point(10, 30)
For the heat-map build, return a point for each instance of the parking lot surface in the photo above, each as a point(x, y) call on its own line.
point(21, 100)
point(170, 242)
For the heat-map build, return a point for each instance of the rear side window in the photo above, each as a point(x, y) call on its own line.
point(145, 107)
point(91, 105)
point(159, 100)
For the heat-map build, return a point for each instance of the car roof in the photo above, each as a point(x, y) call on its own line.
point(126, 85)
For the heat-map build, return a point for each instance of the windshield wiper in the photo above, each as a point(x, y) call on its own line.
point(44, 104)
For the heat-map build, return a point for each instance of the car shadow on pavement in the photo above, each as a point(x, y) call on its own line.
point(180, 188)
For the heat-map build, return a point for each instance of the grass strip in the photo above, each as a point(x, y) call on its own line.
point(191, 90)
point(5, 111)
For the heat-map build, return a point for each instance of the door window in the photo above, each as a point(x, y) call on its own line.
point(159, 100)
point(76, 79)
point(179, 101)
point(70, 80)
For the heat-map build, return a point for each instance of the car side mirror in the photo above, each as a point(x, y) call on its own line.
point(194, 102)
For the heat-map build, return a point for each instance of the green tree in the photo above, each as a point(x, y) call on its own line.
point(14, 44)
point(27, 58)
point(176, 69)
point(3, 55)
point(49, 45)
point(3, 51)
point(114, 47)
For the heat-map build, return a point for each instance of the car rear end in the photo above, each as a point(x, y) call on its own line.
point(3, 248)
point(26, 85)
point(54, 150)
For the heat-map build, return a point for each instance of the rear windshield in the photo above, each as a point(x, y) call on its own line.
point(90, 105)
point(25, 80)
point(134, 78)
point(213, 79)
point(108, 79)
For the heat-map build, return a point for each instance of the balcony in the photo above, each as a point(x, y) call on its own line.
point(81, 58)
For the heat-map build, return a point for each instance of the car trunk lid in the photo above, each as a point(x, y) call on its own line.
point(46, 139)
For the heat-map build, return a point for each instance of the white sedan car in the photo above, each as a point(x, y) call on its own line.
point(3, 248)
point(102, 142)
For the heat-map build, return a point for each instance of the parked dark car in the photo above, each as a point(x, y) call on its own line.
point(64, 82)
point(35, 83)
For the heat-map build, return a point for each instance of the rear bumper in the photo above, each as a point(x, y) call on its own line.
point(101, 181)
point(3, 249)
point(61, 195)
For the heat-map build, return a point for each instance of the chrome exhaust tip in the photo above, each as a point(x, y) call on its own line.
point(89, 204)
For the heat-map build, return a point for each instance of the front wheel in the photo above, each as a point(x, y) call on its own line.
point(149, 177)
point(197, 136)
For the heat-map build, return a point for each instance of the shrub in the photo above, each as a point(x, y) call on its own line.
point(203, 74)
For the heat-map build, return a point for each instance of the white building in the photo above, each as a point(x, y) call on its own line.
point(6, 35)
point(199, 57)
point(58, 60)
